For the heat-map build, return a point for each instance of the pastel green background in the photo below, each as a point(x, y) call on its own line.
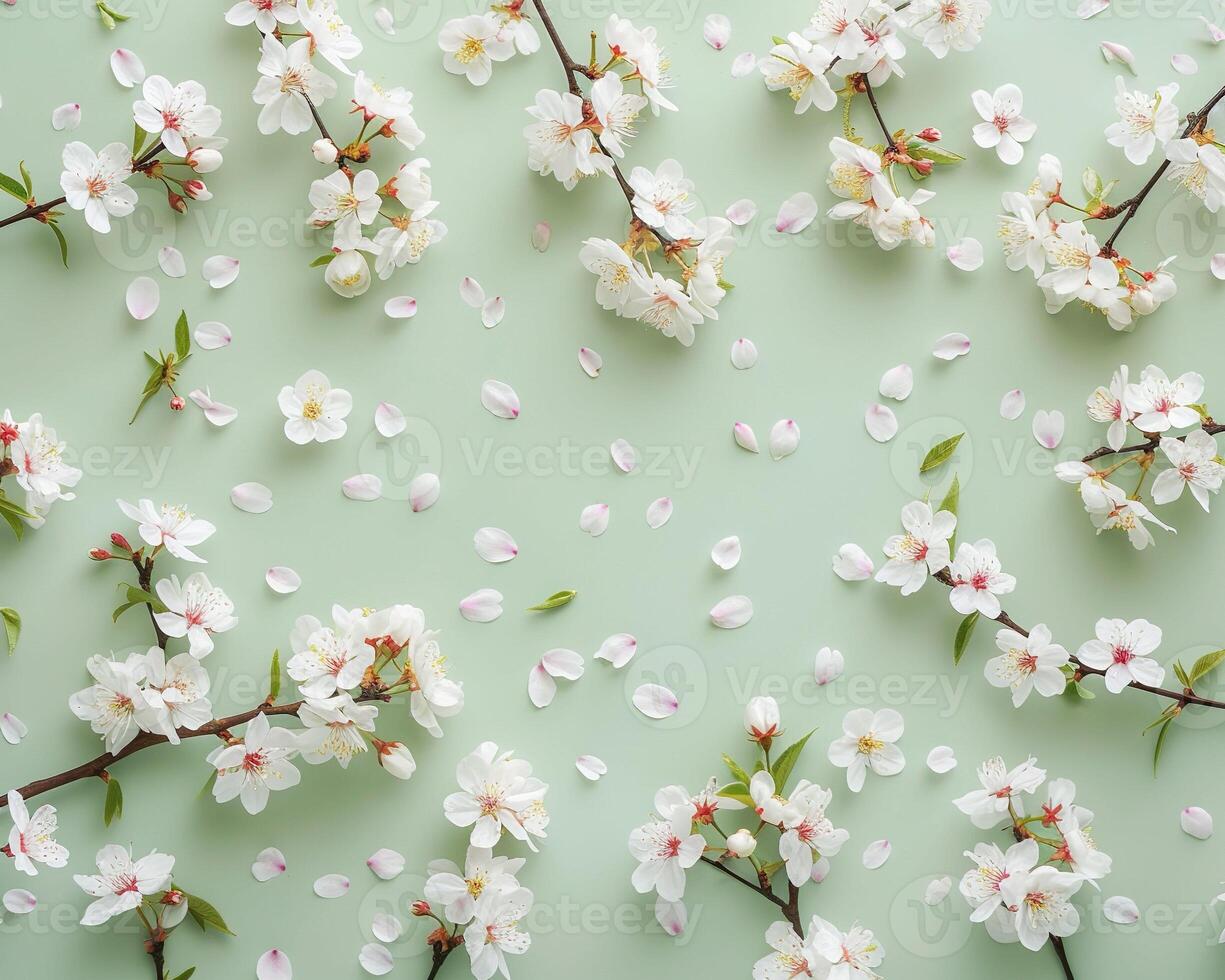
point(829, 315)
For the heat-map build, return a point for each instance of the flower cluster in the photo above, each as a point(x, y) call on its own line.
point(1024, 894)
point(31, 453)
point(1150, 411)
point(351, 202)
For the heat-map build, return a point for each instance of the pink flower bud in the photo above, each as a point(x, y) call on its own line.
point(396, 759)
point(119, 541)
point(99, 554)
point(204, 161)
point(177, 404)
point(929, 135)
point(421, 908)
point(196, 190)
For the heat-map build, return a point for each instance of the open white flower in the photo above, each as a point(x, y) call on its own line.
point(32, 839)
point(639, 49)
point(1022, 233)
point(333, 728)
point(1127, 515)
point(662, 199)
point(1199, 168)
point(470, 45)
point(810, 835)
point(1193, 465)
point(1075, 262)
point(329, 34)
point(617, 110)
point(255, 766)
point(947, 25)
point(1110, 405)
point(700, 807)
point(620, 279)
point(1003, 128)
point(264, 14)
point(314, 410)
point(857, 173)
point(978, 581)
point(1001, 787)
point(114, 704)
point(834, 27)
point(793, 956)
point(665, 305)
point(1041, 898)
point(121, 884)
point(980, 886)
point(326, 659)
point(664, 849)
point(395, 105)
point(177, 689)
point(497, 793)
point(867, 743)
point(799, 66)
point(457, 891)
point(174, 528)
point(195, 610)
point(348, 274)
point(560, 142)
point(433, 694)
point(1145, 120)
point(1122, 650)
point(1161, 404)
point(38, 455)
point(175, 114)
point(347, 204)
point(494, 931)
point(95, 183)
point(1028, 663)
point(923, 549)
point(852, 954)
point(289, 85)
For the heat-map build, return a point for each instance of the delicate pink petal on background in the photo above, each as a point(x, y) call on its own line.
point(618, 650)
point(66, 117)
point(741, 212)
point(423, 491)
point(1048, 428)
point(19, 901)
point(717, 30)
point(386, 863)
point(1089, 8)
point(495, 545)
point(170, 260)
point(400, 307)
point(726, 552)
point(560, 662)
point(211, 335)
point(274, 965)
point(1121, 910)
point(876, 854)
point(880, 422)
point(594, 519)
point(542, 234)
point(254, 498)
point(386, 928)
point(127, 67)
point(376, 959)
point(142, 298)
point(482, 606)
point(268, 863)
point(389, 420)
point(745, 437)
point(220, 270)
point(590, 361)
point(1217, 265)
point(852, 563)
point(1215, 34)
point(941, 759)
point(1196, 821)
point(659, 512)
point(1184, 64)
point(331, 886)
point(951, 345)
point(784, 438)
point(744, 354)
point(541, 688)
point(216, 412)
point(965, 254)
point(827, 666)
point(283, 580)
point(732, 613)
point(500, 399)
point(655, 701)
point(796, 213)
point(1120, 53)
point(470, 292)
point(744, 64)
point(897, 383)
point(1012, 404)
point(492, 312)
point(363, 486)
point(624, 455)
point(820, 871)
point(12, 728)
point(591, 766)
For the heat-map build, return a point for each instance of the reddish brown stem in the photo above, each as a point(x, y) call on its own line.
point(1208, 425)
point(790, 908)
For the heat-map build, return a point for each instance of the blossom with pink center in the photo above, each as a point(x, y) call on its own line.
point(1003, 126)
point(980, 886)
point(1110, 405)
point(700, 808)
point(1161, 404)
point(978, 581)
point(195, 610)
point(38, 454)
point(252, 768)
point(32, 839)
point(327, 659)
point(851, 954)
point(494, 931)
point(175, 114)
point(498, 793)
point(922, 550)
point(174, 527)
point(793, 956)
point(664, 849)
point(121, 884)
point(1193, 465)
point(810, 835)
point(1000, 789)
point(1122, 649)
point(947, 25)
point(1028, 663)
point(95, 183)
point(114, 705)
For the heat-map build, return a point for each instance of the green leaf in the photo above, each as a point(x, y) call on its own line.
point(138, 139)
point(136, 597)
point(26, 178)
point(952, 498)
point(779, 40)
point(962, 640)
point(11, 186)
point(205, 915)
point(114, 801)
point(554, 601)
point(16, 525)
point(735, 769)
point(152, 387)
point(7, 506)
point(63, 242)
point(322, 260)
point(1205, 665)
point(186, 974)
point(274, 676)
point(1091, 181)
point(12, 627)
point(736, 791)
point(182, 339)
point(936, 154)
point(1160, 742)
point(940, 453)
point(1181, 673)
point(781, 770)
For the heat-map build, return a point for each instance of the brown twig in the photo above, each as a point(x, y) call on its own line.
point(1208, 425)
point(790, 908)
point(867, 87)
point(144, 573)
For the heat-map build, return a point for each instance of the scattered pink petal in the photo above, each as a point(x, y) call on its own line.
point(332, 886)
point(726, 553)
point(386, 863)
point(389, 420)
point(220, 270)
point(423, 491)
point(741, 212)
point(1012, 404)
point(500, 399)
point(672, 917)
point(211, 335)
point(1120, 53)
point(1184, 64)
point(594, 519)
point(1121, 910)
point(1196, 821)
point(19, 901)
point(283, 580)
point(142, 298)
point(1090, 8)
point(127, 67)
point(495, 545)
point(590, 361)
point(591, 767)
point(744, 64)
point(876, 854)
point(492, 312)
point(470, 292)
point(717, 30)
point(897, 383)
point(274, 965)
point(217, 413)
point(852, 563)
point(784, 438)
point(1048, 428)
point(624, 455)
point(618, 650)
point(744, 354)
point(254, 498)
point(1217, 265)
point(827, 666)
point(542, 233)
point(170, 260)
point(560, 662)
point(268, 863)
point(951, 345)
point(66, 117)
point(541, 688)
point(655, 701)
point(374, 958)
point(400, 307)
point(796, 213)
point(659, 511)
point(880, 422)
point(732, 613)
point(745, 438)
point(363, 486)
point(1215, 34)
point(965, 254)
point(12, 728)
point(941, 760)
point(386, 928)
point(482, 606)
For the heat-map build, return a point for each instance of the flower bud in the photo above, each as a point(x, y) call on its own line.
point(119, 541)
point(196, 190)
point(177, 404)
point(396, 759)
point(324, 150)
point(176, 202)
point(742, 844)
point(99, 554)
point(173, 897)
point(761, 721)
point(204, 161)
point(421, 908)
point(929, 135)
point(8, 433)
point(922, 166)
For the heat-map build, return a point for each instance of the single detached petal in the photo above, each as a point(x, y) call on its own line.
point(745, 437)
point(594, 519)
point(876, 854)
point(1112, 51)
point(171, 262)
point(127, 67)
point(965, 254)
point(495, 545)
point(744, 354)
point(618, 650)
point(717, 29)
point(500, 399)
point(254, 498)
point(784, 438)
point(592, 767)
point(655, 701)
point(1121, 909)
point(143, 297)
point(880, 422)
point(492, 312)
point(542, 234)
point(274, 965)
point(423, 491)
point(1196, 821)
point(1089, 8)
point(374, 957)
point(1012, 404)
point(12, 728)
point(482, 606)
point(541, 687)
point(211, 335)
point(386, 863)
point(950, 346)
point(470, 292)
point(732, 613)
point(852, 564)
point(67, 116)
point(216, 412)
point(1217, 264)
point(941, 759)
point(560, 662)
point(363, 486)
point(624, 455)
point(268, 863)
point(332, 886)
point(1215, 34)
point(744, 64)
point(937, 890)
point(389, 420)
point(658, 512)
point(590, 361)
point(726, 552)
point(741, 212)
point(219, 270)
point(897, 383)
point(386, 928)
point(385, 21)
point(1048, 427)
point(19, 901)
point(283, 580)
point(400, 307)
point(1184, 64)
point(796, 214)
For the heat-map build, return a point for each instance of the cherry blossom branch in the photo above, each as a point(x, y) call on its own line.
point(1020, 833)
point(867, 87)
point(1208, 425)
point(790, 908)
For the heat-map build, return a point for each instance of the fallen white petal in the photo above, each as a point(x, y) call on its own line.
point(500, 399)
point(542, 234)
point(560, 662)
point(389, 420)
point(618, 650)
point(655, 701)
point(744, 64)
point(852, 563)
point(937, 890)
point(1184, 64)
point(897, 383)
point(741, 212)
point(880, 422)
point(127, 67)
point(254, 498)
point(171, 262)
point(732, 613)
point(386, 863)
point(726, 552)
point(541, 688)
point(482, 606)
point(385, 21)
point(220, 270)
point(12, 728)
point(594, 519)
point(876, 854)
point(941, 759)
point(1012, 404)
point(492, 312)
point(1112, 51)
point(744, 354)
point(951, 345)
point(592, 767)
point(1215, 34)
point(283, 580)
point(470, 292)
point(1089, 8)
point(376, 959)
point(1048, 427)
point(1196, 821)
point(624, 455)
point(1121, 910)
point(717, 29)
point(784, 438)
point(216, 412)
point(211, 335)
point(400, 307)
point(143, 297)
point(274, 965)
point(67, 116)
point(386, 928)
point(965, 254)
point(331, 886)
point(19, 901)
point(363, 486)
point(796, 213)
point(672, 917)
point(1217, 265)
point(658, 512)
point(745, 437)
point(590, 361)
point(495, 545)
point(268, 863)
point(827, 666)
point(423, 491)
